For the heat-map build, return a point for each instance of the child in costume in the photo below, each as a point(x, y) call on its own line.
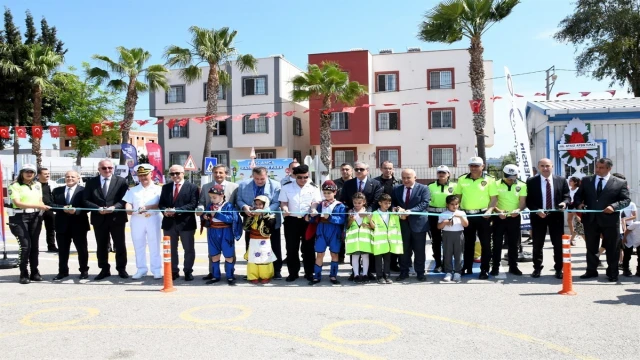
point(387, 238)
point(260, 257)
point(329, 216)
point(359, 237)
point(452, 223)
point(222, 223)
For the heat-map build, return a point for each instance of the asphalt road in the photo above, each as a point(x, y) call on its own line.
point(508, 317)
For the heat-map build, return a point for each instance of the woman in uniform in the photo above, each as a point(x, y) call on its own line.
point(25, 220)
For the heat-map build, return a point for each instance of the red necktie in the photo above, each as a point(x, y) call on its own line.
point(175, 192)
point(548, 199)
point(407, 197)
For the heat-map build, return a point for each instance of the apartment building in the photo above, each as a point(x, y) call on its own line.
point(264, 91)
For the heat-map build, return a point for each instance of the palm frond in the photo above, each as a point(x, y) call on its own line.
point(156, 77)
point(191, 74)
point(141, 87)
point(247, 63)
point(117, 85)
point(178, 56)
point(224, 79)
point(112, 65)
point(97, 75)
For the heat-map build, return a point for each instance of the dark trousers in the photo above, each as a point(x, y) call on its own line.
point(511, 228)
point(611, 242)
point(294, 231)
point(412, 243)
point(116, 232)
point(188, 246)
point(436, 240)
point(79, 240)
point(383, 265)
point(554, 222)
point(626, 260)
point(480, 227)
point(49, 218)
point(26, 228)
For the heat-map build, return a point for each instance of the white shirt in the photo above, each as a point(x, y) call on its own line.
point(628, 212)
point(299, 198)
point(604, 181)
point(572, 193)
point(174, 186)
point(457, 223)
point(385, 216)
point(364, 183)
point(104, 179)
point(140, 196)
point(70, 191)
point(543, 184)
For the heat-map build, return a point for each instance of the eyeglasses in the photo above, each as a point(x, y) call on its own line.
point(174, 173)
point(359, 169)
point(106, 168)
point(302, 177)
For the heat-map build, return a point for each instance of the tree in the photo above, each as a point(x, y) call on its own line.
point(216, 48)
point(608, 31)
point(329, 83)
point(509, 159)
point(127, 70)
point(87, 104)
point(449, 22)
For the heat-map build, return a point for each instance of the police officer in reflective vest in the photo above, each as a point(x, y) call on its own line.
point(474, 191)
point(25, 220)
point(508, 198)
point(439, 190)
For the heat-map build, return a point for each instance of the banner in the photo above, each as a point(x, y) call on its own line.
point(154, 153)
point(523, 156)
point(130, 155)
point(277, 169)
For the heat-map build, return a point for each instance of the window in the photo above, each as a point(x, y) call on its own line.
point(115, 154)
point(175, 94)
point(221, 92)
point(388, 120)
point(442, 155)
point(297, 155)
point(440, 79)
point(254, 85)
point(255, 126)
point(339, 121)
point(222, 156)
point(221, 128)
point(442, 118)
point(388, 81)
point(343, 155)
point(266, 154)
point(178, 131)
point(297, 126)
point(178, 158)
point(389, 154)
point(67, 143)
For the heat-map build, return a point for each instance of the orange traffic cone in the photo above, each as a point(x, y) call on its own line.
point(567, 279)
point(168, 276)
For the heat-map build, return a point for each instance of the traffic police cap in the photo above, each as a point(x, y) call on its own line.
point(29, 167)
point(144, 169)
point(476, 160)
point(443, 168)
point(510, 171)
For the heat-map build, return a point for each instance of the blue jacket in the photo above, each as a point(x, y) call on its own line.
point(418, 202)
point(246, 195)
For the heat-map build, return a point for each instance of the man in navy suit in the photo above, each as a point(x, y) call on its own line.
point(412, 197)
point(176, 196)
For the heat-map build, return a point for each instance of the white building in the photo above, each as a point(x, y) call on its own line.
point(267, 90)
point(611, 125)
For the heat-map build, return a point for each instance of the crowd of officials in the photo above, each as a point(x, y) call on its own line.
point(379, 224)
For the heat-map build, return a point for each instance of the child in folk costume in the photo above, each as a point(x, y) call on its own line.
point(329, 216)
point(359, 237)
point(387, 238)
point(260, 256)
point(224, 227)
point(452, 223)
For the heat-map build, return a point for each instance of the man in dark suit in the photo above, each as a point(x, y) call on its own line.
point(412, 197)
point(71, 225)
point(371, 189)
point(104, 193)
point(346, 174)
point(175, 197)
point(546, 191)
point(607, 193)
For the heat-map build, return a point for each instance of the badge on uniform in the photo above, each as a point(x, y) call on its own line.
point(483, 183)
point(450, 190)
point(37, 187)
point(518, 188)
point(9, 191)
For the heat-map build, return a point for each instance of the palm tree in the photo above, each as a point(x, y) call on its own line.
point(449, 22)
point(129, 67)
point(329, 83)
point(214, 47)
point(38, 65)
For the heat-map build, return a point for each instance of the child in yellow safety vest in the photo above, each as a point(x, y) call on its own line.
point(387, 238)
point(358, 237)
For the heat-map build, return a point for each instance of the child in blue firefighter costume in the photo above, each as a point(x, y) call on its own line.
point(329, 217)
point(224, 227)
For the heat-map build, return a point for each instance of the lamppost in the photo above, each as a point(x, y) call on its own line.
point(551, 75)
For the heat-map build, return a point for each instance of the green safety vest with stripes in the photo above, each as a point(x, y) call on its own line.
point(387, 238)
point(358, 238)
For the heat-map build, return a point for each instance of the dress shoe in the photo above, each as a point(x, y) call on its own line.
point(467, 272)
point(60, 276)
point(231, 282)
point(84, 275)
point(52, 250)
point(437, 269)
point(292, 278)
point(589, 275)
point(358, 279)
point(402, 277)
point(483, 275)
point(627, 273)
point(188, 277)
point(24, 277)
point(175, 275)
point(212, 281)
point(123, 274)
point(277, 276)
point(535, 273)
point(558, 274)
point(422, 278)
point(208, 277)
point(495, 271)
point(35, 276)
point(103, 274)
point(138, 275)
point(335, 281)
point(515, 271)
point(613, 278)
point(351, 277)
point(314, 281)
point(308, 277)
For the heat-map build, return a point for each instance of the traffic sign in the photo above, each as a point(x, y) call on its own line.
point(190, 165)
point(209, 164)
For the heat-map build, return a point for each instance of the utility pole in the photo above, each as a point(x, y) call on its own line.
point(551, 75)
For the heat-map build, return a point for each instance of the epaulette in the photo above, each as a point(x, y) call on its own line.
point(286, 183)
point(312, 184)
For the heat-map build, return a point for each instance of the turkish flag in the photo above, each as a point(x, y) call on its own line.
point(453, 100)
point(349, 109)
point(254, 116)
point(21, 131)
point(142, 122)
point(407, 104)
point(271, 114)
point(494, 98)
point(585, 93)
point(183, 122)
point(289, 113)
point(518, 95)
point(110, 124)
point(199, 120)
point(562, 93)
point(389, 104)
point(222, 117)
point(54, 131)
point(4, 132)
point(36, 132)
point(237, 117)
point(171, 123)
point(540, 94)
point(306, 111)
point(475, 105)
point(431, 102)
point(96, 129)
point(71, 130)
point(159, 121)
point(367, 105)
point(612, 92)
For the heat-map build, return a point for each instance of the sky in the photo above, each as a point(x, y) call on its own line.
point(523, 42)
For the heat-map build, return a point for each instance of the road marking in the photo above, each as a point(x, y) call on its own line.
point(188, 314)
point(28, 319)
point(327, 332)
